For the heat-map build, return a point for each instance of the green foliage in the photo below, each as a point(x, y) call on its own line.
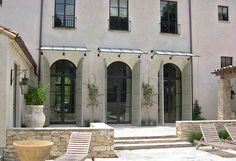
point(223, 134)
point(196, 135)
point(35, 95)
point(96, 121)
point(143, 122)
point(93, 94)
point(148, 93)
point(87, 123)
point(197, 111)
point(149, 122)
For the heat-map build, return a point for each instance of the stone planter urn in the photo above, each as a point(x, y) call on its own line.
point(33, 150)
point(35, 98)
point(34, 116)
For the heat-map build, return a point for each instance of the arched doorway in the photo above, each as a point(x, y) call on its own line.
point(62, 110)
point(172, 93)
point(119, 86)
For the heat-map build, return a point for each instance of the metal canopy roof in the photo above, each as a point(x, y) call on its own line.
point(65, 48)
point(172, 53)
point(121, 50)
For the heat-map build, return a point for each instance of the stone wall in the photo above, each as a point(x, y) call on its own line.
point(184, 128)
point(102, 143)
point(224, 100)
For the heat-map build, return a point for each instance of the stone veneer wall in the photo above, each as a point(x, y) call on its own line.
point(102, 143)
point(184, 128)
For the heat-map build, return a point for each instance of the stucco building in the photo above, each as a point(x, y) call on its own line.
point(119, 45)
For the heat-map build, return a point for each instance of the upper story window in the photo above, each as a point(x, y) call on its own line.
point(223, 13)
point(169, 22)
point(119, 15)
point(226, 61)
point(64, 13)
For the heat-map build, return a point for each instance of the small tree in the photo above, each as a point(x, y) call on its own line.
point(197, 111)
point(148, 94)
point(93, 95)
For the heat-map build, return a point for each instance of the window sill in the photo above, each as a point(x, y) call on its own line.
point(169, 33)
point(222, 21)
point(66, 28)
point(116, 30)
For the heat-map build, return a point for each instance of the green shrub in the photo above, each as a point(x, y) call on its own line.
point(154, 122)
point(196, 135)
point(197, 111)
point(96, 120)
point(87, 123)
point(149, 122)
point(223, 134)
point(35, 96)
point(143, 122)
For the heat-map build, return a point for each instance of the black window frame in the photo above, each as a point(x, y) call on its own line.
point(119, 25)
point(68, 20)
point(167, 26)
point(225, 60)
point(221, 16)
point(0, 2)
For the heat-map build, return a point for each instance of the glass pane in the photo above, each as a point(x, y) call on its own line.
point(70, 10)
point(124, 3)
point(225, 10)
point(59, 1)
point(59, 9)
point(114, 12)
point(114, 3)
point(228, 61)
point(163, 5)
point(220, 9)
point(123, 13)
point(70, 1)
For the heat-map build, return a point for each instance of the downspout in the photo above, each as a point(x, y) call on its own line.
point(40, 40)
point(191, 45)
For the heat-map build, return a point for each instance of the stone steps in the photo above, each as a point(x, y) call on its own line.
point(142, 141)
point(151, 142)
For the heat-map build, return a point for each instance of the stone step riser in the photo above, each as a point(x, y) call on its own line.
point(151, 147)
point(145, 137)
point(145, 141)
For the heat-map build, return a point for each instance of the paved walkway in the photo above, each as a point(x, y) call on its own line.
point(134, 131)
point(173, 154)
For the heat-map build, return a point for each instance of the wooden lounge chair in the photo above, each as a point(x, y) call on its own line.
point(78, 148)
point(211, 138)
point(232, 134)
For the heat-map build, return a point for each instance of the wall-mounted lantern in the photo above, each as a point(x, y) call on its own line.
point(24, 83)
point(232, 94)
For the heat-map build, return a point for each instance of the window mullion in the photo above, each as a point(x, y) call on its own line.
point(118, 13)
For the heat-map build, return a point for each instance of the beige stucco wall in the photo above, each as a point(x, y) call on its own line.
point(23, 17)
point(10, 55)
point(211, 40)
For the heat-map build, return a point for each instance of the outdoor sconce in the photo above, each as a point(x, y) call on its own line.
point(24, 83)
point(232, 94)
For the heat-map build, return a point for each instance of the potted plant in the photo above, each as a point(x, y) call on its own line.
point(35, 98)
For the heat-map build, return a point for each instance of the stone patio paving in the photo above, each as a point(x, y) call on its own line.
point(137, 131)
point(173, 154)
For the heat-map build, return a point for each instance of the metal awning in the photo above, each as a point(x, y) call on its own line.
point(172, 53)
point(121, 50)
point(64, 48)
